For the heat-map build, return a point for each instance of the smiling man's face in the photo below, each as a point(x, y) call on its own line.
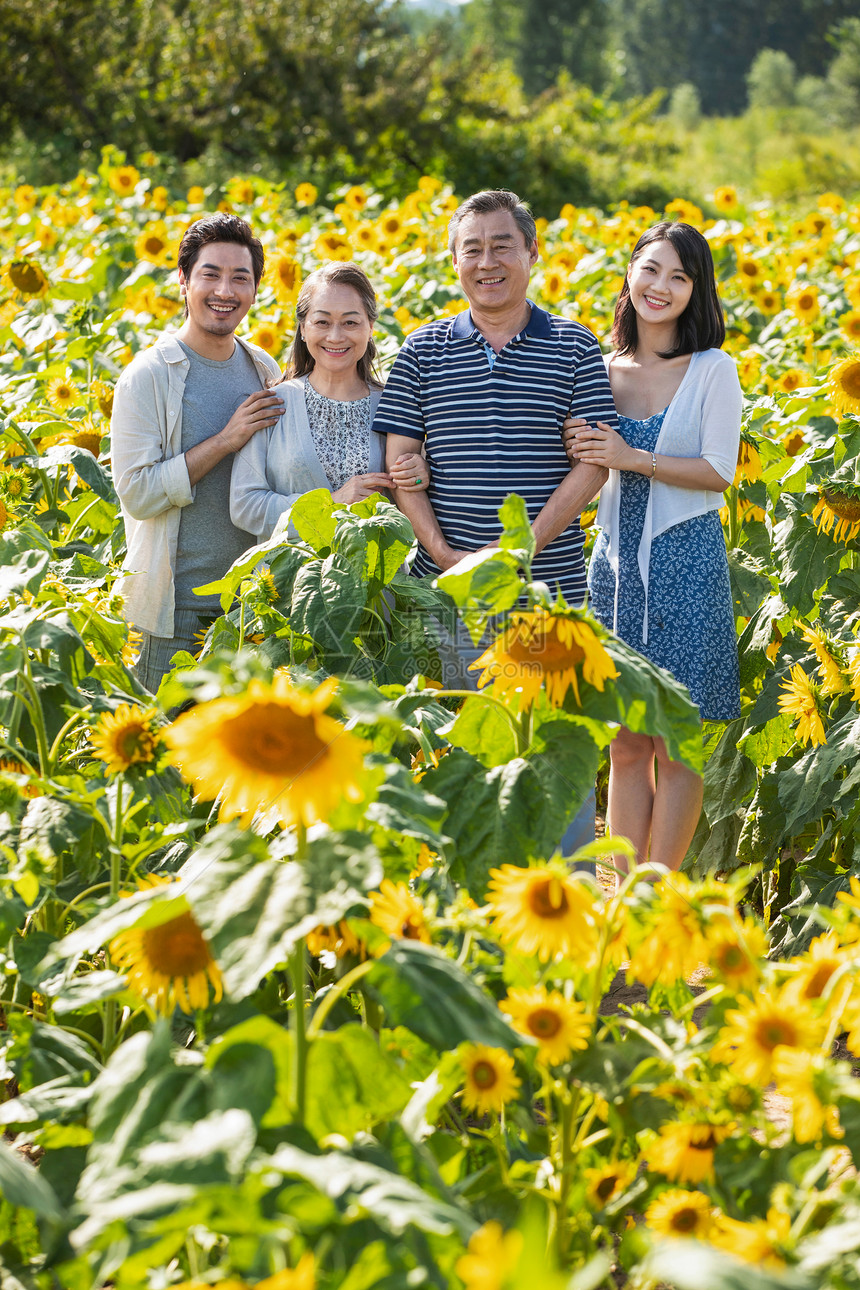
point(218, 291)
point(492, 261)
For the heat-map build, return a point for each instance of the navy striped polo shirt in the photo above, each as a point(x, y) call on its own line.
point(495, 429)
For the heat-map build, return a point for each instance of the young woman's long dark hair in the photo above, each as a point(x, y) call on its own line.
point(701, 325)
point(336, 273)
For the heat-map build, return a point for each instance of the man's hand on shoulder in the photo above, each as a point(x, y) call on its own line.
point(258, 412)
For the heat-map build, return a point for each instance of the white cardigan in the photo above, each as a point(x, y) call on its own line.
point(702, 420)
point(276, 466)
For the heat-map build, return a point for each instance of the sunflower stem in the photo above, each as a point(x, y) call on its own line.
point(734, 517)
point(300, 1037)
point(109, 1038)
point(343, 986)
point(566, 1122)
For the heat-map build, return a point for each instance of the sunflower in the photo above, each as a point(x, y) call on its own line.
point(169, 964)
point(544, 910)
point(843, 380)
point(790, 380)
point(158, 199)
point(489, 1080)
point(832, 680)
point(356, 198)
point(284, 276)
point(734, 952)
point(338, 939)
point(854, 673)
point(726, 199)
point(849, 323)
point(126, 738)
point(673, 946)
point(760, 1242)
point(679, 1213)
point(61, 393)
point(768, 301)
point(25, 198)
point(684, 1152)
point(305, 195)
point(800, 699)
point(814, 969)
point(750, 271)
point(608, 1181)
point(240, 191)
point(25, 279)
point(806, 1079)
point(268, 336)
point(492, 1255)
point(838, 512)
point(554, 286)
point(272, 749)
point(558, 1024)
point(755, 1030)
point(11, 766)
point(398, 912)
point(749, 463)
point(538, 647)
point(363, 236)
point(14, 485)
point(803, 302)
point(153, 245)
point(123, 180)
point(391, 229)
point(332, 246)
point(102, 392)
point(195, 195)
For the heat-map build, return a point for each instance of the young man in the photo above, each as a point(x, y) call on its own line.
point(181, 410)
point(488, 392)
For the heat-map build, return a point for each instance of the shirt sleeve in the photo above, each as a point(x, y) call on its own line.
point(147, 482)
point(254, 506)
point(722, 407)
point(399, 410)
point(592, 394)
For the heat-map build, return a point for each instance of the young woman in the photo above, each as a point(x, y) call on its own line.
point(659, 574)
point(323, 438)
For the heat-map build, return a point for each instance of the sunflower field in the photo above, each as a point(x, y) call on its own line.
point(296, 991)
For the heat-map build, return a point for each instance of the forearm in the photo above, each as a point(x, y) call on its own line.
point(579, 487)
point(417, 506)
point(204, 456)
point(682, 472)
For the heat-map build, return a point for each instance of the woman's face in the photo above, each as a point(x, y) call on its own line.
point(336, 330)
point(660, 290)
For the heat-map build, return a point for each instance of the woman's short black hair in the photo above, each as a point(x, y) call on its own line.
point(701, 325)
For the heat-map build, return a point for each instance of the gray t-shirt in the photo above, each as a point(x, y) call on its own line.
point(208, 542)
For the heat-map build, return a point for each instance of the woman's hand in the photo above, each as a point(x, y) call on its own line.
point(410, 472)
point(358, 487)
point(597, 445)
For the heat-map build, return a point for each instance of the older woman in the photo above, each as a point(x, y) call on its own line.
point(323, 438)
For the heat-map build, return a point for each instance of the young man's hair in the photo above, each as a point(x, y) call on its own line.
point(701, 325)
point(219, 228)
point(336, 273)
point(484, 203)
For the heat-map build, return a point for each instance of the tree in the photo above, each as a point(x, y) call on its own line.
point(772, 80)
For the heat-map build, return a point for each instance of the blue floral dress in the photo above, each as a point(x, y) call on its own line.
point(691, 630)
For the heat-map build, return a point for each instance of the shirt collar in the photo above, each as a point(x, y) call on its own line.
point(538, 326)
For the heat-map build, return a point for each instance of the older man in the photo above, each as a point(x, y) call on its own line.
point(487, 393)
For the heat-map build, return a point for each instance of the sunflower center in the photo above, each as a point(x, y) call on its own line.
point(134, 742)
point(25, 276)
point(548, 899)
point(818, 980)
point(544, 1023)
point(484, 1074)
point(732, 958)
point(843, 505)
point(685, 1219)
point(772, 1032)
point(411, 928)
point(154, 245)
point(177, 947)
point(606, 1186)
point(275, 740)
